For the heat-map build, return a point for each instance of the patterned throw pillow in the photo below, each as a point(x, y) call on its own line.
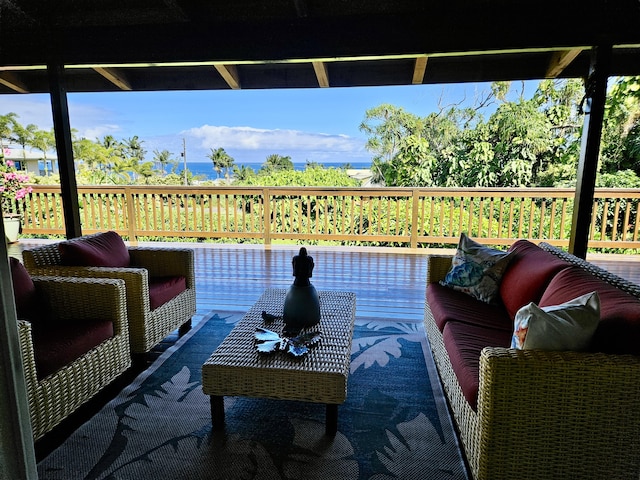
point(477, 270)
point(569, 326)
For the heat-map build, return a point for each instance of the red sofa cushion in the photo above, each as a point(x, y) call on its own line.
point(619, 329)
point(451, 305)
point(163, 289)
point(58, 344)
point(527, 276)
point(102, 250)
point(464, 343)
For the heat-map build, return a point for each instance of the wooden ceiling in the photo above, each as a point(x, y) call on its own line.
point(112, 45)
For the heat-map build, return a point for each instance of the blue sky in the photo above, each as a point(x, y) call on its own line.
point(307, 124)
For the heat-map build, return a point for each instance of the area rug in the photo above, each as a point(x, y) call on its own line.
point(393, 425)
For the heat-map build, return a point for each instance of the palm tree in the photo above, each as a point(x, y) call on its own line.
point(23, 136)
point(221, 160)
point(132, 148)
point(43, 140)
point(276, 162)
point(7, 122)
point(146, 171)
point(243, 173)
point(163, 157)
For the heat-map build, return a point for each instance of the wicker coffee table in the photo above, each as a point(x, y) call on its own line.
point(237, 369)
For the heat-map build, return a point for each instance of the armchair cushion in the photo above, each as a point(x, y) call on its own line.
point(163, 289)
point(100, 250)
point(58, 344)
point(29, 304)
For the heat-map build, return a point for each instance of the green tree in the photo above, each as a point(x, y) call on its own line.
point(23, 136)
point(163, 158)
point(276, 162)
point(7, 121)
point(44, 140)
point(621, 134)
point(243, 173)
point(221, 161)
point(386, 126)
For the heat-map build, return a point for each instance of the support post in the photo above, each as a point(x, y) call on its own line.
point(62, 129)
point(594, 103)
point(17, 454)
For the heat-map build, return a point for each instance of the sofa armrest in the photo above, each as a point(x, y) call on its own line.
point(437, 267)
point(73, 298)
point(161, 262)
point(562, 414)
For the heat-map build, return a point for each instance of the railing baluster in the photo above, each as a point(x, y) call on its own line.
point(402, 216)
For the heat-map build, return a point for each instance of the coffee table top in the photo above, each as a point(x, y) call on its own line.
point(237, 368)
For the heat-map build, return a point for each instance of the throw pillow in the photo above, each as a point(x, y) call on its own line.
point(569, 326)
point(100, 250)
point(477, 269)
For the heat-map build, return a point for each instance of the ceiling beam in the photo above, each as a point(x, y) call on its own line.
point(561, 60)
point(230, 75)
point(11, 80)
point(419, 70)
point(116, 77)
point(321, 74)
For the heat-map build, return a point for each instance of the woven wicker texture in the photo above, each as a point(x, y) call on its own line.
point(546, 415)
point(236, 368)
point(146, 327)
point(55, 397)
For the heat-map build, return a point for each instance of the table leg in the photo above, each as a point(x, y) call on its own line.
point(332, 419)
point(217, 412)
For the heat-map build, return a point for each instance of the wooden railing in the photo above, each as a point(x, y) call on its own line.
point(410, 217)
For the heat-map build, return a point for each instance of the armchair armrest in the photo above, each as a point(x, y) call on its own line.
point(73, 298)
point(564, 413)
point(437, 267)
point(161, 262)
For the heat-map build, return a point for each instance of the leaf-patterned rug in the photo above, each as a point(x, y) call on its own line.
point(393, 425)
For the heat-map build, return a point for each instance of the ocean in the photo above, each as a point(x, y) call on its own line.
point(206, 168)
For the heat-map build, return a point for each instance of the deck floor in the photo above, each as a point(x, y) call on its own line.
point(388, 284)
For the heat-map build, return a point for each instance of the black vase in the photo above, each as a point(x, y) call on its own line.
point(302, 304)
point(301, 308)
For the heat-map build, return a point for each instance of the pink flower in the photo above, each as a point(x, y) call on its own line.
point(12, 183)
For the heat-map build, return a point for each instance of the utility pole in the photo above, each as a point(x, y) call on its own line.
point(184, 156)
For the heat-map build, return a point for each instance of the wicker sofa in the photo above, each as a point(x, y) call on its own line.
point(145, 268)
point(74, 341)
point(538, 414)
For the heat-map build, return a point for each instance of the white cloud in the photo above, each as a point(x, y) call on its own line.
point(87, 120)
point(248, 138)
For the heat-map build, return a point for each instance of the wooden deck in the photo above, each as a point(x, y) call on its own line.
point(388, 283)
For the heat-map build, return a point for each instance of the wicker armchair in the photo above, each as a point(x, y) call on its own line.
point(54, 397)
point(147, 327)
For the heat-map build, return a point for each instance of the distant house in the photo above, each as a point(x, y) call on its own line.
point(32, 161)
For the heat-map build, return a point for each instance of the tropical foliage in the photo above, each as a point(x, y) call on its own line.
point(526, 142)
point(523, 142)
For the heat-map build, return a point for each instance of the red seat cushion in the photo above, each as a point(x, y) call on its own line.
point(102, 250)
point(451, 305)
point(58, 344)
point(619, 329)
point(163, 289)
point(527, 276)
point(29, 304)
point(464, 343)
